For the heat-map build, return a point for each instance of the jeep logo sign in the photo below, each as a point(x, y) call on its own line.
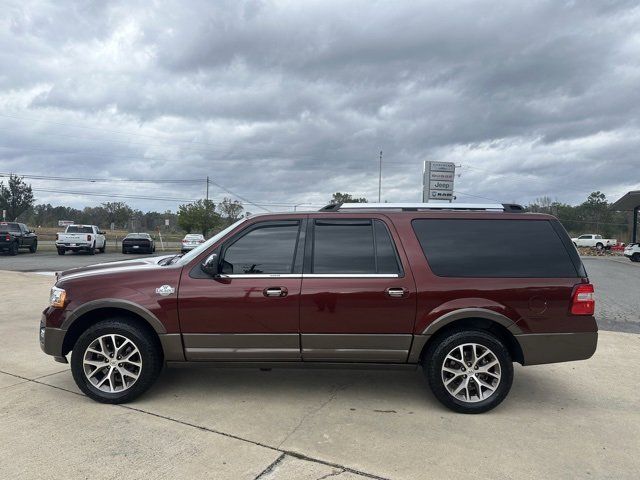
point(437, 181)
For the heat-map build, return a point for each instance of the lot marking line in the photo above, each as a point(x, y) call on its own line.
point(284, 452)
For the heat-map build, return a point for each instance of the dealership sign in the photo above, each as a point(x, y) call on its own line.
point(437, 181)
point(65, 223)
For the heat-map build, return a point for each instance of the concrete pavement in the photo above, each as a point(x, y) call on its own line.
point(572, 420)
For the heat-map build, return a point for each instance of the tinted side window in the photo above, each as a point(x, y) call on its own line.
point(353, 246)
point(265, 249)
point(493, 248)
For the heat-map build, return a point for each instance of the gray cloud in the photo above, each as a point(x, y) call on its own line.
point(287, 102)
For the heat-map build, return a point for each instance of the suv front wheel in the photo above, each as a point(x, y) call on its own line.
point(469, 371)
point(114, 361)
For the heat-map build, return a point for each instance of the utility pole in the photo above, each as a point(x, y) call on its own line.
point(380, 179)
point(207, 187)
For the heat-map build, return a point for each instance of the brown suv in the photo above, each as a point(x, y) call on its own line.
point(462, 290)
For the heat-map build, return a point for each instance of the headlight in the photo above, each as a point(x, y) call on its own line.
point(57, 297)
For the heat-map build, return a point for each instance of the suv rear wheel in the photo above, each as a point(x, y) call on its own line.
point(114, 361)
point(469, 371)
point(13, 249)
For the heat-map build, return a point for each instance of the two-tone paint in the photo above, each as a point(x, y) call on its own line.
point(305, 319)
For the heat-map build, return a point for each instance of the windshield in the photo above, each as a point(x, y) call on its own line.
point(201, 248)
point(78, 229)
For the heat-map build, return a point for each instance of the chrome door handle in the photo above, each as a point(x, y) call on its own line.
point(396, 292)
point(275, 292)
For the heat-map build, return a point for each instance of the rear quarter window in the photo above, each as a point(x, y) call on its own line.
point(493, 248)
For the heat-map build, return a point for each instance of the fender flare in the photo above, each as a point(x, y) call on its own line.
point(420, 340)
point(132, 307)
point(464, 313)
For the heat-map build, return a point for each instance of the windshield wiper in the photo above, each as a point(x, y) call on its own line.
point(170, 260)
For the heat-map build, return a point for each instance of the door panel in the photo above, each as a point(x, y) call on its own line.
point(253, 314)
point(351, 311)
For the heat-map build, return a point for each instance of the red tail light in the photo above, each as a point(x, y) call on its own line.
point(7, 238)
point(583, 302)
point(88, 237)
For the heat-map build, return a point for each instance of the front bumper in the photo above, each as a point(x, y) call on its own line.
point(539, 348)
point(51, 340)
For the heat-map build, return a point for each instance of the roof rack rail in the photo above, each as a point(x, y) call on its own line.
point(414, 207)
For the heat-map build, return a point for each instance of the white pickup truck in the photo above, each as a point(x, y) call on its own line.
point(592, 240)
point(87, 238)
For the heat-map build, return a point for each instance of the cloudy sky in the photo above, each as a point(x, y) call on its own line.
point(285, 102)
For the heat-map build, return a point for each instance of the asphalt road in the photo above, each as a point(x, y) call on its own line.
point(52, 262)
point(617, 281)
point(568, 420)
point(617, 284)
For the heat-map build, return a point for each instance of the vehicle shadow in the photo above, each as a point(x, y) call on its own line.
point(405, 390)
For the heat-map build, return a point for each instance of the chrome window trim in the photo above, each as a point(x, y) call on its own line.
point(350, 275)
point(260, 275)
point(310, 275)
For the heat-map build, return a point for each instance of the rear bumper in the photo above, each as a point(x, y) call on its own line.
point(539, 348)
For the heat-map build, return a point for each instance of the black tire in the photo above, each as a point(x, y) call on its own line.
point(92, 250)
point(434, 359)
point(635, 257)
point(599, 246)
point(61, 251)
point(13, 249)
point(104, 247)
point(124, 252)
point(150, 354)
point(34, 247)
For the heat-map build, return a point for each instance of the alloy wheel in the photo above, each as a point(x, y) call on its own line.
point(471, 372)
point(112, 363)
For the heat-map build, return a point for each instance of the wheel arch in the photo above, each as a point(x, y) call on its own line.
point(83, 318)
point(478, 319)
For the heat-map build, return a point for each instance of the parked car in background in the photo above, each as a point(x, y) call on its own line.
point(81, 238)
point(387, 285)
point(191, 241)
point(138, 242)
point(632, 252)
point(14, 236)
point(595, 241)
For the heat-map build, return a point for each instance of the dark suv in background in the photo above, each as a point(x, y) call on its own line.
point(459, 289)
point(14, 236)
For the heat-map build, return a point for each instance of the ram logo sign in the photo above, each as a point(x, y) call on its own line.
point(437, 181)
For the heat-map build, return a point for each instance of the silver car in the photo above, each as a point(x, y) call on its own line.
point(191, 241)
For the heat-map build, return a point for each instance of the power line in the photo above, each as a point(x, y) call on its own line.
point(94, 180)
point(112, 195)
point(235, 194)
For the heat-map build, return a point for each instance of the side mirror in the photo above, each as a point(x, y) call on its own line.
point(210, 265)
